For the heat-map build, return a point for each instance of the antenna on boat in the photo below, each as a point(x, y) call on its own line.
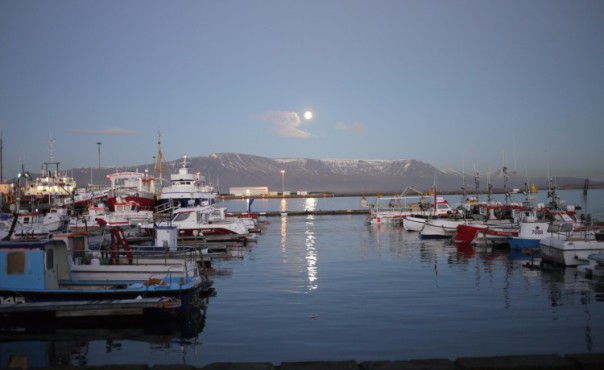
point(463, 180)
point(552, 188)
point(505, 181)
point(489, 189)
point(476, 183)
point(584, 194)
point(158, 163)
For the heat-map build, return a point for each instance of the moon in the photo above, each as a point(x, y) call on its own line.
point(308, 115)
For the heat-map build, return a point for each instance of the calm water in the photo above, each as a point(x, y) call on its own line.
point(334, 288)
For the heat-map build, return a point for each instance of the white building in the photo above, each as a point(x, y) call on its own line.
point(249, 191)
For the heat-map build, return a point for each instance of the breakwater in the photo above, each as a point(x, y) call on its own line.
point(305, 213)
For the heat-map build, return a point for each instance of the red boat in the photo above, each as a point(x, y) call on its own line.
point(132, 187)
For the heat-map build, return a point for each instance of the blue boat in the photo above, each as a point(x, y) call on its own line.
point(36, 275)
point(523, 243)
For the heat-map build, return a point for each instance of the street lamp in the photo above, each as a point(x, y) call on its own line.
point(99, 149)
point(282, 182)
point(98, 143)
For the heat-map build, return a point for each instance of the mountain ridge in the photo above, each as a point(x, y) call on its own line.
point(342, 176)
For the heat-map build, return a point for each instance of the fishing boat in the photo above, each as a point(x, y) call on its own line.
point(131, 186)
point(530, 233)
point(131, 211)
point(187, 189)
point(198, 222)
point(52, 187)
point(494, 236)
point(119, 261)
point(31, 225)
point(97, 216)
point(440, 228)
point(37, 274)
point(489, 215)
point(568, 247)
point(414, 223)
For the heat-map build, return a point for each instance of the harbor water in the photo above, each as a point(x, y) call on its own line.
point(335, 288)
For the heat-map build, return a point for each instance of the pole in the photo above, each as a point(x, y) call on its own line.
point(99, 155)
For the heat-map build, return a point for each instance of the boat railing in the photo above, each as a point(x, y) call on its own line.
point(167, 207)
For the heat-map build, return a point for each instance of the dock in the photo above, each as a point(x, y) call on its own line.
point(122, 307)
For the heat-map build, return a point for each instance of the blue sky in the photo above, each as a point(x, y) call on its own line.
point(451, 83)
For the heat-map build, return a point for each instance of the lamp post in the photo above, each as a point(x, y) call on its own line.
point(98, 143)
point(283, 183)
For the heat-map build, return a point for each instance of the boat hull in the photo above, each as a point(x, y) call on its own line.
point(145, 202)
point(494, 236)
point(569, 252)
point(414, 223)
point(437, 228)
point(467, 232)
point(523, 243)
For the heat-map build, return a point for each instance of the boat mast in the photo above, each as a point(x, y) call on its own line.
point(158, 163)
point(552, 191)
point(476, 184)
point(505, 182)
point(464, 196)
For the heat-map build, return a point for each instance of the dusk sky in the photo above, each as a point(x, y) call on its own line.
point(452, 83)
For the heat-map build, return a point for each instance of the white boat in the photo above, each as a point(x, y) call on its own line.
point(413, 223)
point(570, 248)
point(220, 214)
point(52, 186)
point(96, 218)
point(197, 222)
point(29, 225)
point(187, 189)
point(440, 228)
point(131, 211)
point(594, 268)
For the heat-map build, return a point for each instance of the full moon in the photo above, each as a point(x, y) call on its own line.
point(307, 115)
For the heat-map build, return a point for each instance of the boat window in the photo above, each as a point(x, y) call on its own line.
point(15, 263)
point(442, 206)
point(50, 258)
point(79, 247)
point(181, 216)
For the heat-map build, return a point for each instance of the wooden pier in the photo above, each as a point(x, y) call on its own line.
point(120, 307)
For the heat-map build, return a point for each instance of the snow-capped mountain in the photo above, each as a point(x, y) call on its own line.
point(227, 170)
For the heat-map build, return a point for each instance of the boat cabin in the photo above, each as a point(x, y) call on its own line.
point(33, 265)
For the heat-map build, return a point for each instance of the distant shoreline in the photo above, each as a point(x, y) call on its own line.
point(328, 194)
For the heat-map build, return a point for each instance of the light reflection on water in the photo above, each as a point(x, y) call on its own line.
point(335, 288)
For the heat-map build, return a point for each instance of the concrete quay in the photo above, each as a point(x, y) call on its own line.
point(305, 213)
point(588, 361)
